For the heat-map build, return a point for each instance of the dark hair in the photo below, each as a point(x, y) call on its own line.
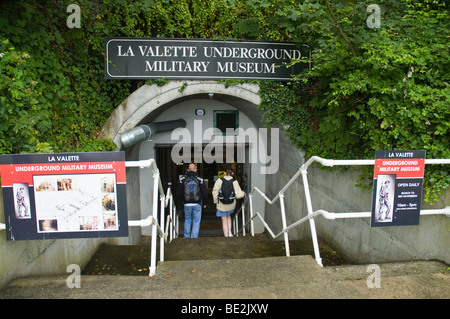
point(229, 172)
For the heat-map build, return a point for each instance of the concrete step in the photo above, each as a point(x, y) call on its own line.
point(210, 226)
point(135, 260)
point(261, 278)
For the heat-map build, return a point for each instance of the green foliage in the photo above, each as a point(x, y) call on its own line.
point(53, 96)
point(169, 19)
point(369, 89)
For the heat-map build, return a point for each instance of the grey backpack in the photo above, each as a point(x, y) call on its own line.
point(191, 190)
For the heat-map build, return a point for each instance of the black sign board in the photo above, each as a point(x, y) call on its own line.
point(397, 187)
point(176, 59)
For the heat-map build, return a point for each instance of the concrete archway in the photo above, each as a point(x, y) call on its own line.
point(149, 101)
point(152, 103)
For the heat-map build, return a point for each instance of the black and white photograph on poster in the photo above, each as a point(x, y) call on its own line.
point(385, 198)
point(48, 225)
point(109, 203)
point(22, 201)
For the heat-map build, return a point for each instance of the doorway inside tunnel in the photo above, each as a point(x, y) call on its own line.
point(210, 169)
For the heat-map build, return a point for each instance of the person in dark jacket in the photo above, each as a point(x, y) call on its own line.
point(193, 196)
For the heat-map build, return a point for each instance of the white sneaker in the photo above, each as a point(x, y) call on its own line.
point(230, 235)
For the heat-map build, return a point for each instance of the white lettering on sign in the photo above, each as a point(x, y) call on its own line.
point(130, 58)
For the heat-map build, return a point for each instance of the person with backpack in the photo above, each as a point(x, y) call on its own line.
point(225, 192)
point(193, 196)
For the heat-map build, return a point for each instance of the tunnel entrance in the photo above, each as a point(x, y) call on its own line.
point(210, 171)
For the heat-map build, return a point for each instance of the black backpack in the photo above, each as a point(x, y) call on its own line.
point(191, 190)
point(226, 192)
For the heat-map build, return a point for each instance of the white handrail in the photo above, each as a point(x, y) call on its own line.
point(303, 170)
point(166, 200)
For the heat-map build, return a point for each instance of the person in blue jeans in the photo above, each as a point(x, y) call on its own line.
point(193, 196)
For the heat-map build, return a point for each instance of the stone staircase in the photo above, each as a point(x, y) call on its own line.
point(134, 260)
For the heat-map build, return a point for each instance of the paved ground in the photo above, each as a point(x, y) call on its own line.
point(263, 278)
point(231, 275)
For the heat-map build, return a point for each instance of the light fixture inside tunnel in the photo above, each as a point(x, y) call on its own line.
point(200, 112)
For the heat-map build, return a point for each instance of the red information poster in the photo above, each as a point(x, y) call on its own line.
point(76, 195)
point(397, 187)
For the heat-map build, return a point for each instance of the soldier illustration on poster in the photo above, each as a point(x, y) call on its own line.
point(385, 196)
point(22, 202)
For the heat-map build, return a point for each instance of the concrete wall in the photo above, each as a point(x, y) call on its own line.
point(354, 239)
point(41, 257)
point(290, 161)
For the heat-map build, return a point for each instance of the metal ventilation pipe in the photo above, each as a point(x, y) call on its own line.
point(143, 132)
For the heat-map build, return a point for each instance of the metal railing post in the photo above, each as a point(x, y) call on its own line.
point(234, 224)
point(162, 223)
point(172, 219)
point(152, 270)
point(252, 226)
point(243, 220)
point(283, 220)
point(312, 224)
